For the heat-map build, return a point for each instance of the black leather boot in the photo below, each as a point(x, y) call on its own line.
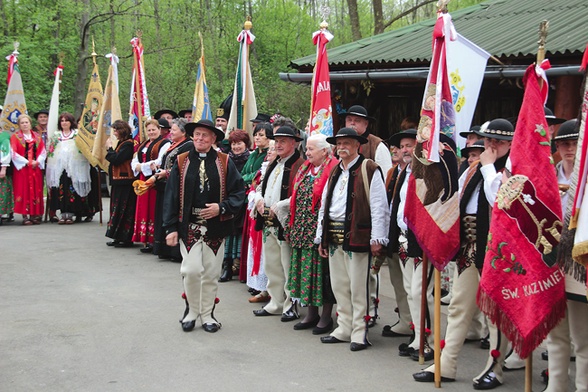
point(227, 273)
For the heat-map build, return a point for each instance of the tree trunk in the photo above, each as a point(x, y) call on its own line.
point(82, 73)
point(378, 17)
point(354, 19)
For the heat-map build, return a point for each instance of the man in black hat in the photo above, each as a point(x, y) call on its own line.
point(572, 329)
point(478, 187)
point(375, 149)
point(186, 113)
point(164, 126)
point(353, 223)
point(203, 193)
point(42, 118)
point(275, 188)
point(403, 242)
point(168, 114)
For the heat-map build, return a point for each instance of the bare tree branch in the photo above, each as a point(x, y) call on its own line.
point(408, 11)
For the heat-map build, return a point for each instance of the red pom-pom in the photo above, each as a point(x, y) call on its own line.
point(367, 318)
point(184, 295)
point(495, 353)
point(376, 300)
point(411, 326)
point(442, 344)
point(427, 331)
point(216, 300)
point(337, 314)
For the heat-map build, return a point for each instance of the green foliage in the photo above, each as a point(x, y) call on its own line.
point(170, 29)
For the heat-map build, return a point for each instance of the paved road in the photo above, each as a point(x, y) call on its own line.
point(76, 315)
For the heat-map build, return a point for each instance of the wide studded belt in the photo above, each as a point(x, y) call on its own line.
point(469, 227)
point(336, 232)
point(268, 220)
point(196, 218)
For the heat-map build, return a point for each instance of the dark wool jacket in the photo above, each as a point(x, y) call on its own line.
point(393, 192)
point(226, 188)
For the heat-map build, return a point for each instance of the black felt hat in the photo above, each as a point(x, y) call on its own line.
point(190, 127)
point(357, 110)
point(285, 131)
point(42, 111)
point(550, 117)
point(224, 111)
point(472, 130)
point(568, 131)
point(163, 111)
point(499, 128)
point(163, 123)
point(479, 144)
point(347, 133)
point(261, 117)
point(396, 138)
point(182, 113)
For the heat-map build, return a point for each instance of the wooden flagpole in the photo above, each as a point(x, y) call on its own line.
point(540, 57)
point(247, 26)
point(139, 92)
point(424, 285)
point(97, 166)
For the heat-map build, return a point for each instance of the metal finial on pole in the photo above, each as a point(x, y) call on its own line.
point(16, 45)
point(93, 51)
point(248, 25)
point(113, 50)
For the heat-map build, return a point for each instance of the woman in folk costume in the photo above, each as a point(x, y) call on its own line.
point(122, 197)
point(249, 173)
point(240, 142)
point(68, 171)
point(6, 200)
point(145, 163)
point(309, 282)
point(180, 143)
point(28, 158)
point(256, 277)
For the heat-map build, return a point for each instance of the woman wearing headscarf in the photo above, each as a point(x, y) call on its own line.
point(309, 282)
point(122, 197)
point(68, 172)
point(180, 142)
point(28, 158)
point(145, 163)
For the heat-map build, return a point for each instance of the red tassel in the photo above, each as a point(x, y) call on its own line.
point(216, 300)
point(184, 295)
point(442, 344)
point(495, 353)
point(367, 318)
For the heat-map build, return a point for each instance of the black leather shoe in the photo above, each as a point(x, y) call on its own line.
point(404, 350)
point(429, 354)
point(357, 346)
point(489, 381)
point(290, 315)
point(188, 325)
point(426, 376)
point(545, 355)
point(127, 244)
point(372, 322)
point(310, 324)
point(323, 330)
point(262, 312)
point(484, 343)
point(387, 331)
point(147, 249)
point(227, 273)
point(112, 243)
point(330, 339)
point(210, 327)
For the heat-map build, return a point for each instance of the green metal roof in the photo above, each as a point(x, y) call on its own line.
point(504, 28)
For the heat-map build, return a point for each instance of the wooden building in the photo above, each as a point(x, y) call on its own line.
point(386, 73)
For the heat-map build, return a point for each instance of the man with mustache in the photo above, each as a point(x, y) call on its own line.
point(353, 222)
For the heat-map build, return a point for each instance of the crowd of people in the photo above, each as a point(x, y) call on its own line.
point(305, 221)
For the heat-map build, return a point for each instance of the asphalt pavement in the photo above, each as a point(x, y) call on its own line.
point(76, 315)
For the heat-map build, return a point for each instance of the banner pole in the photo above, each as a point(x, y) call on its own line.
point(425, 266)
point(437, 327)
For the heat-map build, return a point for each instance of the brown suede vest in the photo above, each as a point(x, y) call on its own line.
point(124, 170)
point(368, 150)
point(358, 218)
